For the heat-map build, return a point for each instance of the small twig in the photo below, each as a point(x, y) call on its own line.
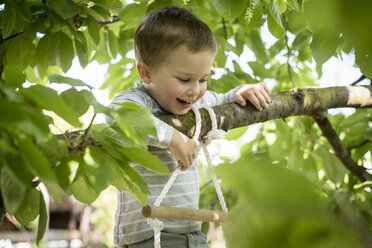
point(205, 185)
point(114, 19)
point(359, 145)
point(224, 28)
point(85, 135)
point(289, 52)
point(102, 23)
point(340, 150)
point(360, 79)
point(10, 37)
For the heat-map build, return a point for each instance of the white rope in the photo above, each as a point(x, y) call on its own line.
point(215, 133)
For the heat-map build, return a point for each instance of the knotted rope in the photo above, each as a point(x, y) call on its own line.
point(215, 133)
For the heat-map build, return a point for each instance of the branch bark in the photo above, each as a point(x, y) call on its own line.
point(311, 101)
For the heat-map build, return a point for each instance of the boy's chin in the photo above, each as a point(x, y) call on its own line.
point(181, 111)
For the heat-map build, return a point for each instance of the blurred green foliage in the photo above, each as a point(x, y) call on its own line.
point(287, 189)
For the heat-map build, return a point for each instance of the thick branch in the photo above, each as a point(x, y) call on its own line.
point(340, 150)
point(312, 102)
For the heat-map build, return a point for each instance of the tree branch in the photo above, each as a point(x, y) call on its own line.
point(311, 101)
point(340, 150)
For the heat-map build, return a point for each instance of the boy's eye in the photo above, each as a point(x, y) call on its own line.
point(184, 80)
point(203, 80)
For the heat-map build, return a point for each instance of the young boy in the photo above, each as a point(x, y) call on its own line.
point(174, 55)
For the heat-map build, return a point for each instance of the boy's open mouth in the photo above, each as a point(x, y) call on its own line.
point(183, 101)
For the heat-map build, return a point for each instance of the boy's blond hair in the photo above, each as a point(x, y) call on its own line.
point(164, 30)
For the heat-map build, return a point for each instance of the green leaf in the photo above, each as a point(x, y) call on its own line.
point(13, 75)
point(93, 29)
point(65, 8)
point(83, 190)
point(132, 14)
point(20, 51)
point(54, 149)
point(43, 219)
point(260, 70)
point(147, 159)
point(323, 46)
point(67, 169)
point(293, 4)
point(135, 122)
point(46, 50)
point(272, 188)
point(35, 158)
point(31, 122)
point(112, 44)
point(65, 51)
point(59, 79)
point(235, 133)
point(229, 9)
point(333, 167)
point(281, 5)
point(259, 49)
point(302, 40)
point(81, 47)
point(97, 168)
point(352, 120)
point(39, 165)
point(128, 179)
point(29, 208)
point(364, 61)
point(73, 98)
point(14, 162)
point(275, 22)
point(12, 191)
point(295, 21)
point(10, 92)
point(251, 17)
point(107, 136)
point(99, 13)
point(9, 19)
point(48, 99)
point(368, 134)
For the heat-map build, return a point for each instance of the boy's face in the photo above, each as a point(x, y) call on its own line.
point(180, 80)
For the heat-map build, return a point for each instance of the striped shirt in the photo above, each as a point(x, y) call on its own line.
point(130, 225)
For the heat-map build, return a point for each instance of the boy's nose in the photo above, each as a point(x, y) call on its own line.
point(194, 88)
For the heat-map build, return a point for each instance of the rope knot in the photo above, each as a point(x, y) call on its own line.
point(156, 224)
point(212, 135)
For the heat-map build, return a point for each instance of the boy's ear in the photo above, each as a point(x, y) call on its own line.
point(144, 72)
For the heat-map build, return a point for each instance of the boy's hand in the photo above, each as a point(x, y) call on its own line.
point(183, 148)
point(257, 94)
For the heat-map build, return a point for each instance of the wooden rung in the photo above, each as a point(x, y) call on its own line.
point(173, 213)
